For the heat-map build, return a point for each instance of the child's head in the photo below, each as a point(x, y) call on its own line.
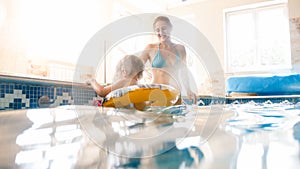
point(130, 66)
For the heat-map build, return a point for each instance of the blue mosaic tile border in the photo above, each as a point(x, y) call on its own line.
point(21, 93)
point(290, 99)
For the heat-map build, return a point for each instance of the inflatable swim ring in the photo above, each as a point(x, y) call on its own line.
point(141, 96)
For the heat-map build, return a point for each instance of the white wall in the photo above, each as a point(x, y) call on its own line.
point(56, 30)
point(36, 33)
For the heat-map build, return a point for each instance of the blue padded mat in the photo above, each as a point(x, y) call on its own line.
point(264, 84)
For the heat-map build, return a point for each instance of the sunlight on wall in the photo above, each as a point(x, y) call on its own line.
point(56, 29)
point(149, 6)
point(37, 34)
point(2, 14)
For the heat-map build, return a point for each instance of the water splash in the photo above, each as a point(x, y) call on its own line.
point(267, 116)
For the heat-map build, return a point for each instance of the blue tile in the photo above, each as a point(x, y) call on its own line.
point(6, 90)
point(17, 100)
point(11, 88)
point(59, 91)
point(27, 93)
point(11, 105)
point(23, 89)
point(18, 87)
point(297, 100)
point(65, 90)
point(38, 90)
point(17, 106)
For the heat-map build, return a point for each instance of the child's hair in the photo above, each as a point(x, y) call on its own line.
point(129, 66)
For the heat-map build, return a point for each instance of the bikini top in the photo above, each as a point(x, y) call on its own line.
point(159, 62)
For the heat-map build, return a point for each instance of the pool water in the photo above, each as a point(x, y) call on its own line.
point(267, 134)
point(253, 135)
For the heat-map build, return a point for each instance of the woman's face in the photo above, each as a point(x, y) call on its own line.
point(162, 30)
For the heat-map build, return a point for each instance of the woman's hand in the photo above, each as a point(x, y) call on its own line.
point(191, 97)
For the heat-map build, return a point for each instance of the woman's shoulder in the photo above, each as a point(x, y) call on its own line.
point(181, 50)
point(152, 45)
point(179, 47)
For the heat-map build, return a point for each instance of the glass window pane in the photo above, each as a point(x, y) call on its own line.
point(241, 40)
point(258, 39)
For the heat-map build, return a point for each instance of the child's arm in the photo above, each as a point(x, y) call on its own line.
point(105, 90)
point(100, 89)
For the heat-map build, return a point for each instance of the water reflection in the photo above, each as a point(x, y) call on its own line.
point(53, 140)
point(296, 134)
point(264, 133)
point(56, 139)
point(188, 157)
point(254, 136)
point(129, 132)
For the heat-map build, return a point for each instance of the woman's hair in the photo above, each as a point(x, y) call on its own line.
point(162, 18)
point(129, 66)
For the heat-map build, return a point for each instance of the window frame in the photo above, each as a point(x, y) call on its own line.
point(247, 8)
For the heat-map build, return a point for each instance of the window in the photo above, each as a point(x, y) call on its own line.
point(257, 38)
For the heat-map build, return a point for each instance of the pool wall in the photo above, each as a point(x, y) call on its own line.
point(288, 99)
point(23, 93)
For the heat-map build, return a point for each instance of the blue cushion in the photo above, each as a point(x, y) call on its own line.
point(264, 84)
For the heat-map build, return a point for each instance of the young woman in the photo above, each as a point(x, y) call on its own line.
point(167, 59)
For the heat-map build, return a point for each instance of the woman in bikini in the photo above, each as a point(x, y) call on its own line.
point(166, 57)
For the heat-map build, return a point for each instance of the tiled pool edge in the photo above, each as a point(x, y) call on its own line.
point(23, 93)
point(292, 99)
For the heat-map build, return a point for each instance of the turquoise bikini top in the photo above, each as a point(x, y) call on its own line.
point(159, 62)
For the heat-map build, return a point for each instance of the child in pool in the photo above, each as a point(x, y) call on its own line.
point(128, 71)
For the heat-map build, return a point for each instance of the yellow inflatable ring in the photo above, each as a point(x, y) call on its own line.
point(141, 96)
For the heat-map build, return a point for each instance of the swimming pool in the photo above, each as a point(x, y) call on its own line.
point(252, 135)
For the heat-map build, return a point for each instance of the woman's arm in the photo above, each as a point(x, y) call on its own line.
point(145, 56)
point(182, 52)
point(188, 80)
